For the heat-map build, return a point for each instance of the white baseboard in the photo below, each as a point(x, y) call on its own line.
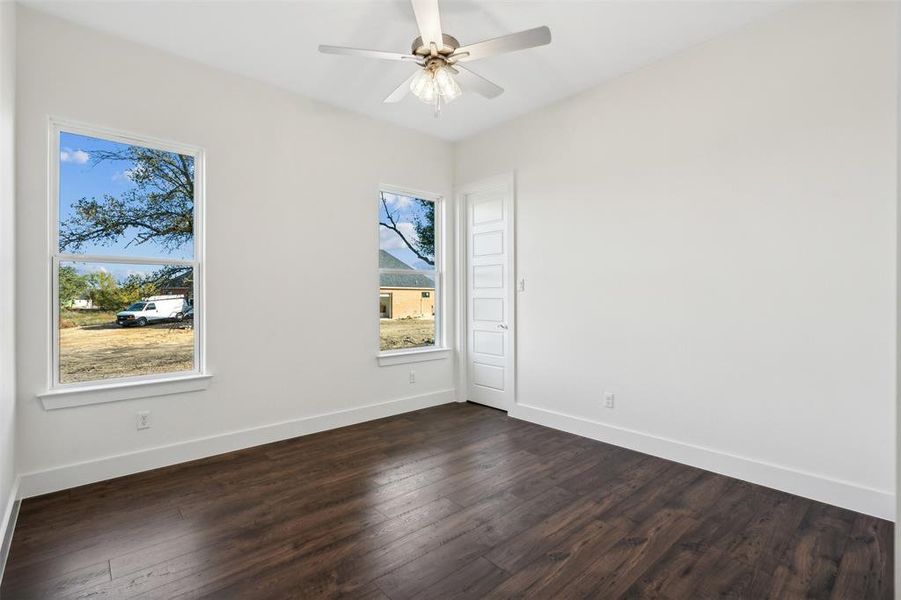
point(869, 501)
point(8, 524)
point(73, 475)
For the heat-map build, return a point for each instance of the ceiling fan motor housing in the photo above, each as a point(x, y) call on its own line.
point(450, 45)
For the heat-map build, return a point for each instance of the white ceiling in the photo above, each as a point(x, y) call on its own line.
point(277, 42)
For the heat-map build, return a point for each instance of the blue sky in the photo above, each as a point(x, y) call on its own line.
point(82, 177)
point(405, 210)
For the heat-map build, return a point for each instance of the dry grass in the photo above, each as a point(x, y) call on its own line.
point(99, 349)
point(82, 318)
point(406, 333)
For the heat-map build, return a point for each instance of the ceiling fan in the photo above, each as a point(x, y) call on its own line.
point(439, 78)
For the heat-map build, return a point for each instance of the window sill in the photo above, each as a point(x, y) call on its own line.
point(99, 394)
point(402, 357)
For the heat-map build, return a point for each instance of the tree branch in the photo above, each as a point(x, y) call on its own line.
point(393, 227)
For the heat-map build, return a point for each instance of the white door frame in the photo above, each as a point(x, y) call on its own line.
point(462, 279)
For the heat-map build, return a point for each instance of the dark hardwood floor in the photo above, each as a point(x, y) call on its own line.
point(457, 501)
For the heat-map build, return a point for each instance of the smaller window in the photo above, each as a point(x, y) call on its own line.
point(409, 271)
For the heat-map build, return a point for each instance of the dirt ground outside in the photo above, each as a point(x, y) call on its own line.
point(92, 347)
point(406, 333)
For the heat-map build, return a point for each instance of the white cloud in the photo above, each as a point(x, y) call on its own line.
point(396, 202)
point(79, 157)
point(84, 268)
point(391, 241)
point(127, 174)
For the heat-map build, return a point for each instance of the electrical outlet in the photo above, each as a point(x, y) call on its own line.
point(412, 376)
point(609, 399)
point(144, 419)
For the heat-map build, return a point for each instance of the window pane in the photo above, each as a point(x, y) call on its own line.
point(124, 320)
point(407, 299)
point(406, 232)
point(406, 310)
point(124, 200)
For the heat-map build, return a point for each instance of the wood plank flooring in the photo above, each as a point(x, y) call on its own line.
point(457, 501)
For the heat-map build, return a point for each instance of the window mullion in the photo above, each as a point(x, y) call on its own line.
point(125, 260)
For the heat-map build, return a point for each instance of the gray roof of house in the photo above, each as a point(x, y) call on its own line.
point(400, 280)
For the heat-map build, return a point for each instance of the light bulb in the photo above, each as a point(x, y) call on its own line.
point(446, 84)
point(428, 93)
point(453, 93)
point(421, 83)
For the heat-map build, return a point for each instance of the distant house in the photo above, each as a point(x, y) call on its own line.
point(403, 295)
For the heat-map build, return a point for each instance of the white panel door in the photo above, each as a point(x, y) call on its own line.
point(490, 276)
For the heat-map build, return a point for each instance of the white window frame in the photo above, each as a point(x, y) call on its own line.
point(439, 350)
point(85, 392)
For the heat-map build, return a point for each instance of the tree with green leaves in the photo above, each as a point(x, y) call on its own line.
point(423, 246)
point(106, 293)
point(136, 287)
point(72, 285)
point(159, 208)
point(425, 229)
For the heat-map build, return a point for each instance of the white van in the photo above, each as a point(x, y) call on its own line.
point(153, 309)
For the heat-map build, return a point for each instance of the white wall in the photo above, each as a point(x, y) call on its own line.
point(712, 238)
point(291, 210)
point(898, 310)
point(7, 262)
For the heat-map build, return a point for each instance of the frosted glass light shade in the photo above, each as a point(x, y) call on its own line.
point(421, 83)
point(447, 86)
point(432, 85)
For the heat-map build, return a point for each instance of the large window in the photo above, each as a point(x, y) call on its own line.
point(409, 271)
point(125, 258)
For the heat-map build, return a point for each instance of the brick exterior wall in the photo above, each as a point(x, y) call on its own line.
point(408, 302)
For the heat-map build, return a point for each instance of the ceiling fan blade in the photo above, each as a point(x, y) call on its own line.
point(366, 53)
point(401, 91)
point(506, 43)
point(476, 83)
point(429, 21)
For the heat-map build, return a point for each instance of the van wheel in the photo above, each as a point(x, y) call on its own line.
point(180, 317)
point(142, 321)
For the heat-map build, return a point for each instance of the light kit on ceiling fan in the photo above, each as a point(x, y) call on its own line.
point(440, 79)
point(435, 85)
